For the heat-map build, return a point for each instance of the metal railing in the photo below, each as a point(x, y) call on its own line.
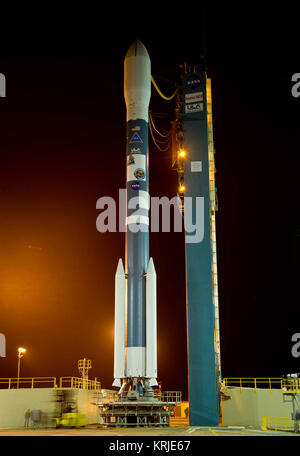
point(258, 382)
point(28, 382)
point(80, 383)
point(172, 397)
point(290, 385)
point(49, 382)
point(105, 396)
point(277, 424)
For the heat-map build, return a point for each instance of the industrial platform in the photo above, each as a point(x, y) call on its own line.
point(172, 431)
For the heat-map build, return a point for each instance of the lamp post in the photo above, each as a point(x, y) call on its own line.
point(20, 355)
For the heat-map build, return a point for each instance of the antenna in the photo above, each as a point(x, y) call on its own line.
point(83, 366)
point(204, 34)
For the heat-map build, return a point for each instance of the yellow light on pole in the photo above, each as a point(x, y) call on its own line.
point(21, 352)
point(182, 188)
point(181, 153)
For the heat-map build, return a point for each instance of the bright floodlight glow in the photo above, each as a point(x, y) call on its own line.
point(21, 350)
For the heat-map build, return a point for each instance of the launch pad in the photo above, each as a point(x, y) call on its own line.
point(139, 411)
point(135, 342)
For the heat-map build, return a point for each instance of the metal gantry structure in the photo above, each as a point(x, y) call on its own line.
point(84, 365)
point(204, 366)
point(290, 387)
point(193, 156)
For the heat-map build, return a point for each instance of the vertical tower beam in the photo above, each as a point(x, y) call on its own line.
point(201, 318)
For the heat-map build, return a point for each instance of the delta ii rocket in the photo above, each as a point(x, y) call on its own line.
point(135, 350)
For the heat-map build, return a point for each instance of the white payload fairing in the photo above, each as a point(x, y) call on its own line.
point(135, 350)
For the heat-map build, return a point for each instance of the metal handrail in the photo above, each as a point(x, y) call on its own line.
point(35, 382)
point(79, 383)
point(171, 396)
point(277, 423)
point(290, 385)
point(258, 382)
point(25, 381)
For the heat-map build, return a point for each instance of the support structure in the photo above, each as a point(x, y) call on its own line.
point(290, 387)
point(83, 366)
point(197, 182)
point(145, 412)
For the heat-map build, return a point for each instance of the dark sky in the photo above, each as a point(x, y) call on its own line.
point(62, 146)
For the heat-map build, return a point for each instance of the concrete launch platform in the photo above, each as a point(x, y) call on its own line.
point(172, 431)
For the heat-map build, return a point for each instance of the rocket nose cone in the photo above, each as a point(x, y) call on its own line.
point(137, 49)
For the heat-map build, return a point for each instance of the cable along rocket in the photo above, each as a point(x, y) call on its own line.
point(135, 350)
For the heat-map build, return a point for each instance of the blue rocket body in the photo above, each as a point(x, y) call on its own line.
point(137, 243)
